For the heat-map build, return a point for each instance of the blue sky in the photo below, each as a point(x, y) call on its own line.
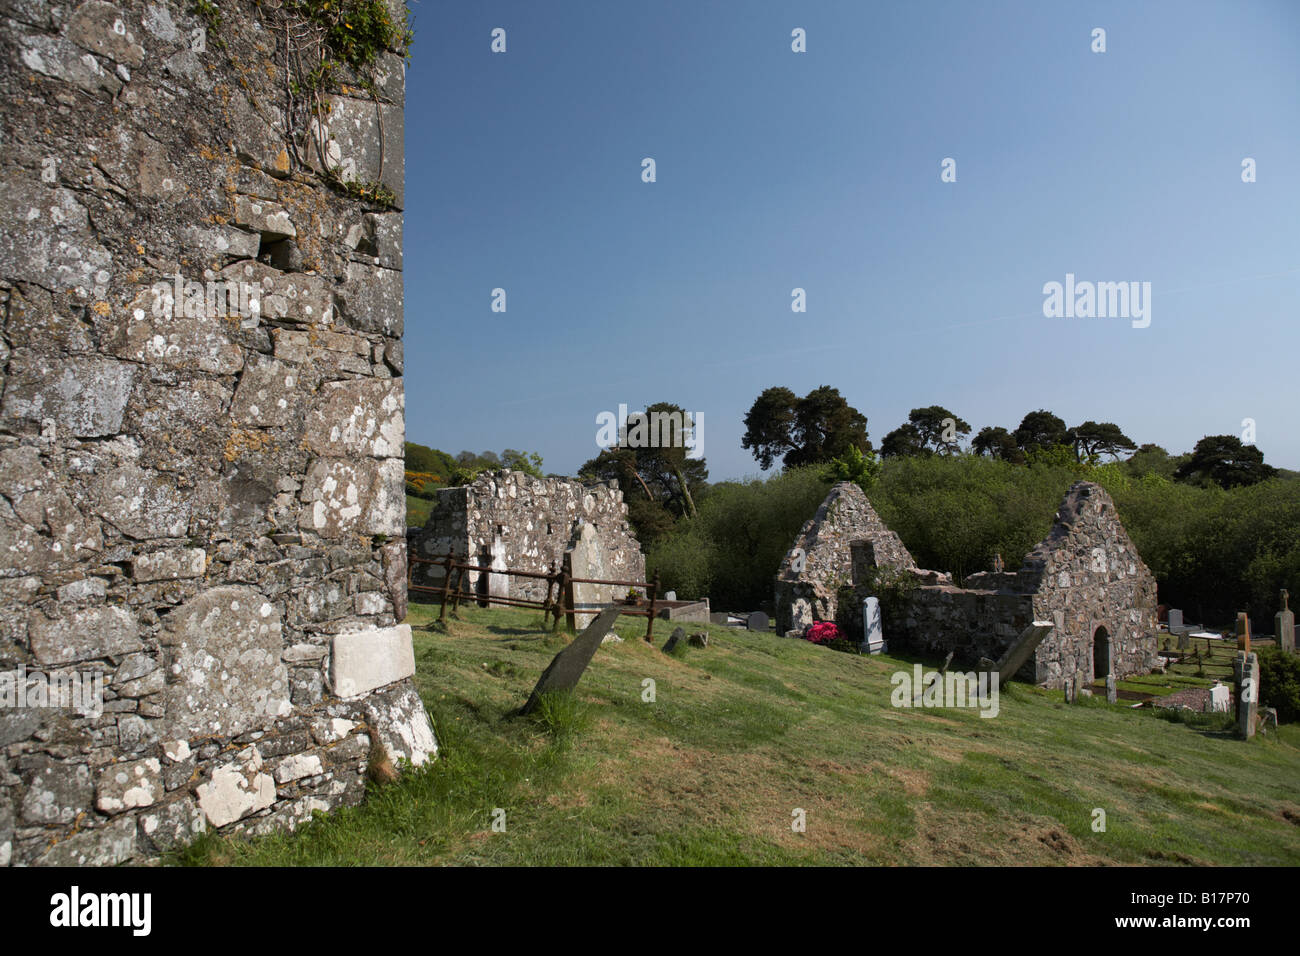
point(821, 170)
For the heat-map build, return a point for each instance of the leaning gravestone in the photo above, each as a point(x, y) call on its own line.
point(678, 635)
point(1284, 626)
point(757, 621)
point(873, 635)
point(568, 666)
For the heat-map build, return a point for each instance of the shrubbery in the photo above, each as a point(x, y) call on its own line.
point(1279, 683)
point(1213, 552)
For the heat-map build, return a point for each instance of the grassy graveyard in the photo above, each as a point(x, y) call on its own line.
point(743, 733)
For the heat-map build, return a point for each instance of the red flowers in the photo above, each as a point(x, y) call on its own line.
point(823, 632)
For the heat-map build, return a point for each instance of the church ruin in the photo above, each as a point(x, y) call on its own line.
point(201, 433)
point(1086, 577)
point(513, 520)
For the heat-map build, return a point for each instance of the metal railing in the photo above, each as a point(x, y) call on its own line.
point(559, 600)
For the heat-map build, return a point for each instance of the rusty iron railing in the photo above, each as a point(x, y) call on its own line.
point(559, 582)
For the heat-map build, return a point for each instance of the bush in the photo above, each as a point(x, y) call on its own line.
point(731, 551)
point(1279, 683)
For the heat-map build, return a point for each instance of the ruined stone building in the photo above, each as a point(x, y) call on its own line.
point(1086, 577)
point(513, 520)
point(202, 509)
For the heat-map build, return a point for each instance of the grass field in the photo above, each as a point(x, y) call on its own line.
point(744, 733)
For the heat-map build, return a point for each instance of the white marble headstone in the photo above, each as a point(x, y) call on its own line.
point(873, 635)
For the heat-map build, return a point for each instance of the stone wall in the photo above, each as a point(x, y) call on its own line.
point(201, 427)
point(1085, 577)
point(819, 562)
point(512, 520)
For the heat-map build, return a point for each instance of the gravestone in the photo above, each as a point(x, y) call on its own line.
point(678, 635)
point(757, 621)
point(1220, 700)
point(1175, 620)
point(568, 666)
point(873, 635)
point(719, 617)
point(1112, 691)
point(1245, 672)
point(1068, 686)
point(670, 596)
point(1019, 652)
point(585, 558)
point(1243, 632)
point(1284, 626)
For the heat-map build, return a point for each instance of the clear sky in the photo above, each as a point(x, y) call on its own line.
point(821, 170)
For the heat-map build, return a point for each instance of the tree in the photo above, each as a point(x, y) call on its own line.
point(1040, 430)
point(997, 443)
point(905, 441)
point(1093, 439)
point(1151, 459)
point(1225, 461)
point(529, 462)
point(657, 465)
point(803, 431)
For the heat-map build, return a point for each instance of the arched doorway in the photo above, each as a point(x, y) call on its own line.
point(1100, 654)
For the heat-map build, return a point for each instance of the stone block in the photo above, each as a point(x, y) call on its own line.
point(129, 785)
point(237, 788)
point(82, 635)
point(363, 661)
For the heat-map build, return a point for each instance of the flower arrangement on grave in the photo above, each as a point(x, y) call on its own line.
point(632, 596)
point(823, 632)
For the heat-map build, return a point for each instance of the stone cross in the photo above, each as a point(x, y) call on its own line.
point(1284, 626)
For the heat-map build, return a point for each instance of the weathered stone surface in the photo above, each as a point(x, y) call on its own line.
point(358, 418)
point(371, 299)
point(237, 788)
point(83, 634)
point(128, 785)
point(173, 824)
point(176, 285)
point(297, 766)
point(225, 645)
point(353, 140)
point(401, 726)
point(268, 393)
point(83, 396)
point(108, 845)
point(172, 564)
point(344, 497)
point(140, 503)
point(47, 237)
point(363, 661)
point(57, 793)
